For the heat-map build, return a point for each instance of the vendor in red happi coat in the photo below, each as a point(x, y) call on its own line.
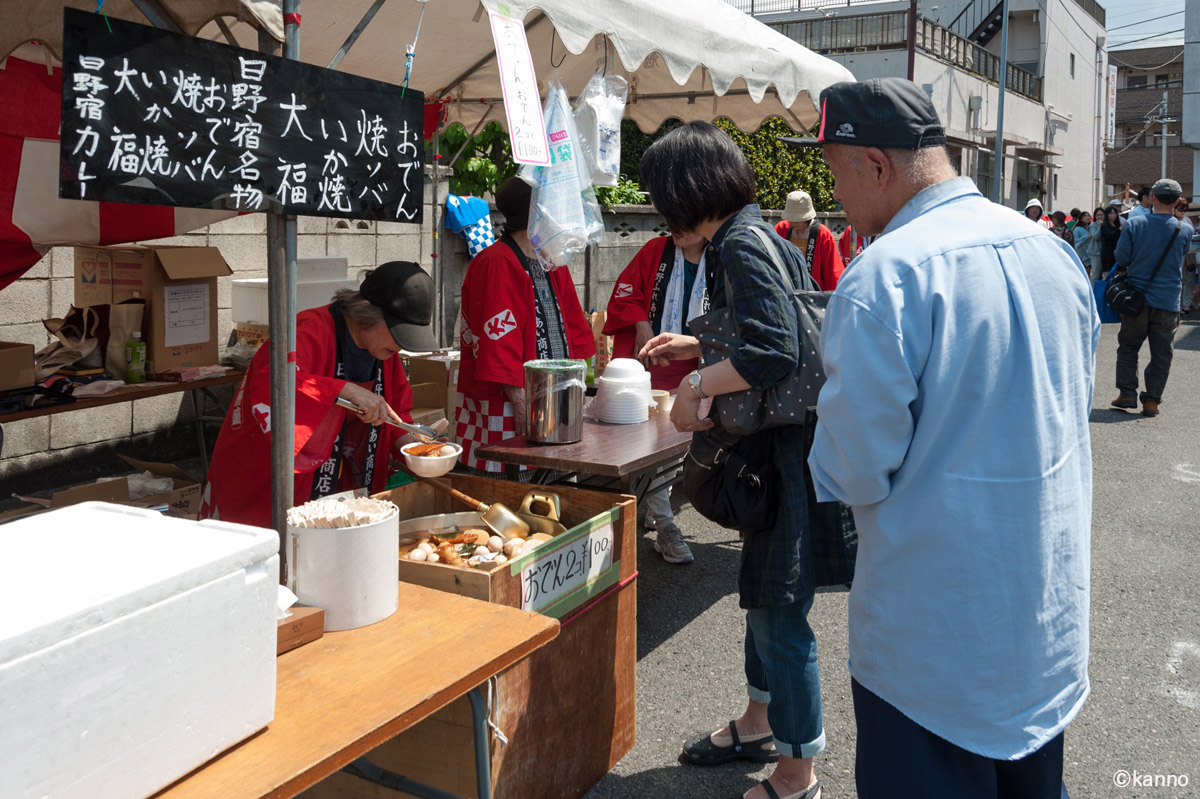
point(346, 349)
point(663, 288)
point(513, 310)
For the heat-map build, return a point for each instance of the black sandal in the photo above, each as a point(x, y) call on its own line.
point(811, 792)
point(702, 751)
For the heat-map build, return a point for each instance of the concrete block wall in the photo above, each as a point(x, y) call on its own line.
point(160, 428)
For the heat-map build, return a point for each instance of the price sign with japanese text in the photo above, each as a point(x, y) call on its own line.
point(158, 118)
point(526, 128)
point(560, 568)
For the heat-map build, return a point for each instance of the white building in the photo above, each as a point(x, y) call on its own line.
point(1054, 111)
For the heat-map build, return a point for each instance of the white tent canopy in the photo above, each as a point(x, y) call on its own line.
point(688, 59)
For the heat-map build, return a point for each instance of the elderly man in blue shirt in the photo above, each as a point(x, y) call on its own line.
point(960, 353)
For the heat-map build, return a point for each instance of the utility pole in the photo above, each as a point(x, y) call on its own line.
point(1164, 119)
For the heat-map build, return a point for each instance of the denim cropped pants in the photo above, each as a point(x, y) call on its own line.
point(781, 671)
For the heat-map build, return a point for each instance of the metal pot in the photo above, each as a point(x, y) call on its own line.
point(554, 401)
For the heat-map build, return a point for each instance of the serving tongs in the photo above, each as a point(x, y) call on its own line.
point(428, 434)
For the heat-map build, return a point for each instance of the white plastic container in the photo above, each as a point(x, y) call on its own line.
point(133, 648)
point(353, 573)
point(249, 297)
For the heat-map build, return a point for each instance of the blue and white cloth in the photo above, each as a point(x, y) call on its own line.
point(470, 218)
point(960, 350)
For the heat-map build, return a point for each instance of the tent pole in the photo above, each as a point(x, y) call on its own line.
point(281, 283)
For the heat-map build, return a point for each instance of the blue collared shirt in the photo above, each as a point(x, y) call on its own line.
point(1142, 243)
point(960, 353)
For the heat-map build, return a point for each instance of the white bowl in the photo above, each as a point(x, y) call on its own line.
point(431, 465)
point(624, 369)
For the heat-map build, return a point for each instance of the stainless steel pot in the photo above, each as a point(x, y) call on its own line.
point(554, 401)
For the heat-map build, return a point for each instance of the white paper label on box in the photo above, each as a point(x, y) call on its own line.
point(526, 129)
point(568, 568)
point(185, 314)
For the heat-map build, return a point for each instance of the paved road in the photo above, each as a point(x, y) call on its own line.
point(1143, 716)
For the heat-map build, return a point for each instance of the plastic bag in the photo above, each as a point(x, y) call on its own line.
point(598, 113)
point(563, 215)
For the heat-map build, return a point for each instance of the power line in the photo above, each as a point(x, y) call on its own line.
point(1145, 38)
point(1148, 69)
point(1143, 22)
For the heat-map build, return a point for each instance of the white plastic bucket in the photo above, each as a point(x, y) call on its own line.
point(352, 573)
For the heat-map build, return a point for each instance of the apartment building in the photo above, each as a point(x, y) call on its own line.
point(1056, 82)
point(1149, 89)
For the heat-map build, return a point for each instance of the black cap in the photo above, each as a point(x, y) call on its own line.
point(405, 294)
point(888, 113)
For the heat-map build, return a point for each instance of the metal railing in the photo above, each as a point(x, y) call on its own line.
point(970, 57)
point(890, 32)
point(849, 34)
point(753, 7)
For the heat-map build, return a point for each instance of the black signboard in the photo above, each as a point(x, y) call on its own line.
point(157, 118)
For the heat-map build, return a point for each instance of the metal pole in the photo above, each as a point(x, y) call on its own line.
point(999, 170)
point(912, 39)
point(281, 282)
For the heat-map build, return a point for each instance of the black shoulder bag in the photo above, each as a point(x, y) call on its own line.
point(729, 478)
point(1125, 298)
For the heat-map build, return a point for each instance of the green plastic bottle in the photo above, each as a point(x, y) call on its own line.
point(135, 359)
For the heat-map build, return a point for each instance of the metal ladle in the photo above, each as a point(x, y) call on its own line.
point(499, 519)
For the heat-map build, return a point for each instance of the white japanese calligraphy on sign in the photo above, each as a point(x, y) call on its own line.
point(523, 107)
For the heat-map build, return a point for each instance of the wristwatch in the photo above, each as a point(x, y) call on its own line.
point(693, 381)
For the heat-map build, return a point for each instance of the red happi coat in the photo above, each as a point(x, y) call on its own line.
point(630, 304)
point(239, 477)
point(499, 329)
point(851, 245)
point(827, 265)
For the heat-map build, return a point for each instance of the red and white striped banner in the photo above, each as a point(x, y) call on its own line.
point(32, 216)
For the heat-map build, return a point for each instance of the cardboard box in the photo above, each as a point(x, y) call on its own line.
point(304, 626)
point(254, 334)
point(427, 403)
point(179, 285)
point(183, 498)
point(438, 368)
point(16, 365)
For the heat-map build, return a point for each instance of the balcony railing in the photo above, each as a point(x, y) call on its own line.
point(753, 7)
point(972, 58)
point(890, 32)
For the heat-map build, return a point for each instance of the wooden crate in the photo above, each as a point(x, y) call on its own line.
point(568, 710)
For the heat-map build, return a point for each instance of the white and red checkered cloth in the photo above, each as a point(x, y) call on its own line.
point(32, 216)
point(476, 425)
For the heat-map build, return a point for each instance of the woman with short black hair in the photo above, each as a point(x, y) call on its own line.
point(701, 184)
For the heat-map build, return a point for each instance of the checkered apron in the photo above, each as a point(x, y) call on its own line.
point(476, 426)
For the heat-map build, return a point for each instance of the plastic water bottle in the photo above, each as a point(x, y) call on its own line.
point(135, 359)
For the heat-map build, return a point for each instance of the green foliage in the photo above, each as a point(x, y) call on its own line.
point(626, 191)
point(778, 168)
point(484, 164)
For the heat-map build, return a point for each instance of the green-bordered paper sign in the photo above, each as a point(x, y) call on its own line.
point(564, 572)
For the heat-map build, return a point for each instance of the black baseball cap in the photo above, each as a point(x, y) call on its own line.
point(888, 113)
point(405, 294)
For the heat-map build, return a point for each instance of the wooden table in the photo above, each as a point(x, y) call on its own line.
point(129, 393)
point(344, 694)
point(629, 458)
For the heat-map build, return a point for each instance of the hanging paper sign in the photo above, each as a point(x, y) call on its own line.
point(157, 118)
point(522, 105)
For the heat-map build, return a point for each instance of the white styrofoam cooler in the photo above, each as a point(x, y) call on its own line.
point(133, 648)
point(316, 281)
